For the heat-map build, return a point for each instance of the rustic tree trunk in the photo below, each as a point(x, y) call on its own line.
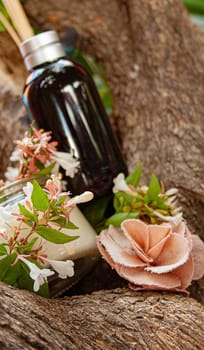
point(119, 319)
point(153, 59)
point(152, 56)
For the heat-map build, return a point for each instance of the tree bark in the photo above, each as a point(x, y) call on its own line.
point(153, 59)
point(119, 319)
point(152, 56)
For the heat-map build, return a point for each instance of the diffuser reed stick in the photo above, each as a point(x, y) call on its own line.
point(10, 29)
point(19, 19)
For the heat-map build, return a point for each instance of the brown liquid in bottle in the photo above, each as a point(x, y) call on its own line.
point(62, 97)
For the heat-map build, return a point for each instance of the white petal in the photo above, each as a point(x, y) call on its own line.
point(171, 191)
point(38, 275)
point(28, 189)
point(11, 173)
point(67, 162)
point(120, 184)
point(174, 220)
point(82, 198)
point(5, 216)
point(36, 285)
point(15, 155)
point(63, 268)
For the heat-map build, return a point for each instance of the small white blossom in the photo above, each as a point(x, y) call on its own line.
point(5, 216)
point(171, 201)
point(174, 220)
point(120, 184)
point(27, 141)
point(82, 198)
point(11, 173)
point(41, 143)
point(15, 155)
point(63, 268)
point(28, 190)
point(3, 235)
point(38, 275)
point(67, 162)
point(171, 192)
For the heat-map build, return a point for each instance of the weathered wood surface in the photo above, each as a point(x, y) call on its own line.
point(153, 59)
point(117, 319)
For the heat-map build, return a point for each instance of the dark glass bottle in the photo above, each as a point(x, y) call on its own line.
point(61, 96)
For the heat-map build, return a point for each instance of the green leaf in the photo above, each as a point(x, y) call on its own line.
point(26, 248)
point(3, 250)
point(5, 264)
point(121, 200)
point(39, 198)
point(194, 6)
point(25, 282)
point(46, 171)
point(118, 218)
point(27, 213)
point(97, 210)
point(44, 290)
point(12, 274)
point(62, 222)
point(61, 200)
point(153, 189)
point(52, 235)
point(134, 177)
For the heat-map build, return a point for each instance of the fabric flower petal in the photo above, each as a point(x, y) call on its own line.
point(137, 233)
point(181, 229)
point(175, 253)
point(198, 257)
point(158, 232)
point(158, 235)
point(139, 276)
point(185, 273)
point(118, 248)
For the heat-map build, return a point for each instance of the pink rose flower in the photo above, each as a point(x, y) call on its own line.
point(159, 257)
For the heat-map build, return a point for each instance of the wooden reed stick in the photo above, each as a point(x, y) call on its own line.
point(19, 19)
point(10, 29)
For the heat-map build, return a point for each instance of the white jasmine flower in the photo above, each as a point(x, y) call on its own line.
point(28, 190)
point(144, 189)
point(3, 235)
point(38, 275)
point(174, 220)
point(15, 155)
point(27, 141)
point(5, 216)
point(177, 211)
point(171, 201)
point(120, 184)
point(42, 142)
point(63, 268)
point(67, 162)
point(82, 198)
point(11, 173)
point(171, 192)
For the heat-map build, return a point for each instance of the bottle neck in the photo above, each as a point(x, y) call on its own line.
point(45, 54)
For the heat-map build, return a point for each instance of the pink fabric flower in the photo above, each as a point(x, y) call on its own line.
point(159, 257)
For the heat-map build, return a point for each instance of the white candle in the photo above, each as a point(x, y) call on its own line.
point(83, 246)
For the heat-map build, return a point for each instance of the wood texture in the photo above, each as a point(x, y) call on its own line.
point(117, 319)
point(153, 59)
